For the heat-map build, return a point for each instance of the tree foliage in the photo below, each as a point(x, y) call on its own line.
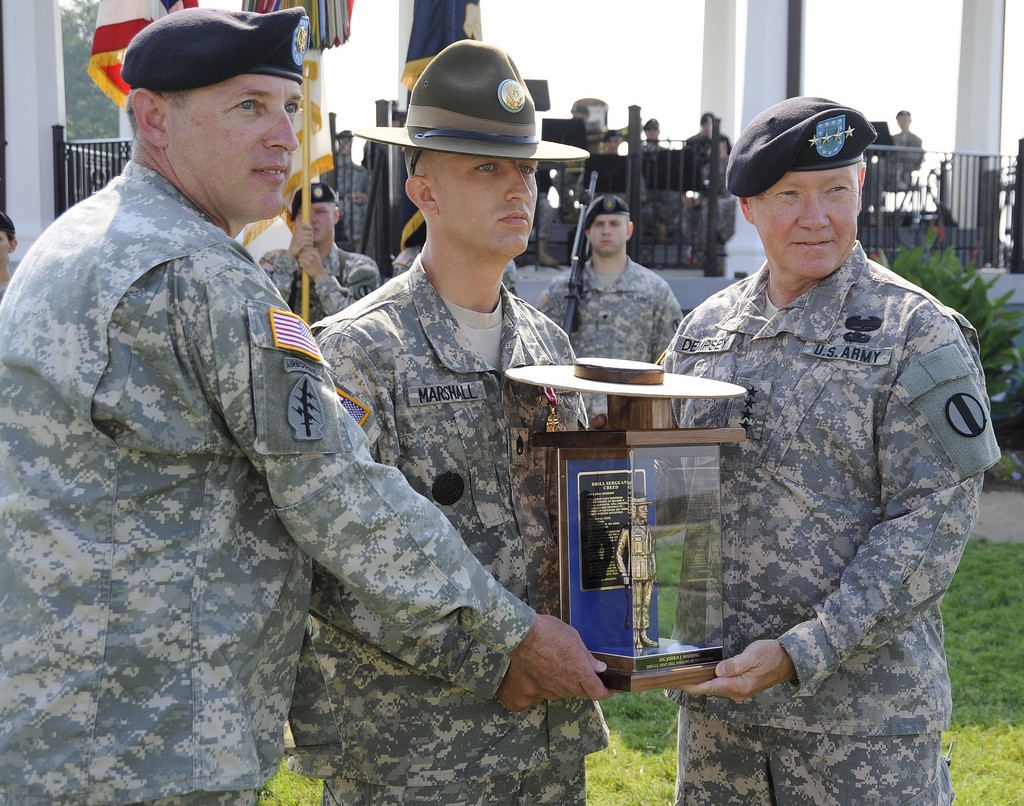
point(90, 114)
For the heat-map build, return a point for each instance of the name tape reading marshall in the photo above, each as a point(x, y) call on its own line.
point(445, 393)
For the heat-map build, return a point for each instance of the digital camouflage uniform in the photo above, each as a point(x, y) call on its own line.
point(174, 453)
point(848, 506)
point(634, 318)
point(355, 280)
point(398, 710)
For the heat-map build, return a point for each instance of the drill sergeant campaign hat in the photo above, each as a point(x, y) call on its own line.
point(199, 47)
point(608, 204)
point(798, 134)
point(471, 99)
point(318, 192)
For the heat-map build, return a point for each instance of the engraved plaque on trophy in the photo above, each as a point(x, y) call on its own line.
point(639, 524)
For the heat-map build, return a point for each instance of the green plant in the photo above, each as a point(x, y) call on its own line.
point(962, 287)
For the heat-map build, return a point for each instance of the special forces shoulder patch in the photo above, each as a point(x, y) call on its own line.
point(305, 410)
point(290, 332)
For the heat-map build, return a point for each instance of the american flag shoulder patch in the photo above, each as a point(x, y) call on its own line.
point(292, 333)
point(359, 412)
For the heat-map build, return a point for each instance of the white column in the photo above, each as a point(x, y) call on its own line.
point(33, 74)
point(764, 31)
point(719, 67)
point(979, 98)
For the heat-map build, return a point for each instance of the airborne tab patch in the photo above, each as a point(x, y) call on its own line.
point(292, 333)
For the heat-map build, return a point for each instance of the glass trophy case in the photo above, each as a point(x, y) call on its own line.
point(639, 531)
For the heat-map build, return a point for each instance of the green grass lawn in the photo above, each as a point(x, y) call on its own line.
point(983, 613)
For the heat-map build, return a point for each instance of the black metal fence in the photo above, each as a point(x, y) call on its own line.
point(970, 202)
point(964, 201)
point(81, 167)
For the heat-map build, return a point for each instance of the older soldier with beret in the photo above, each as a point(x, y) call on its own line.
point(847, 507)
point(174, 452)
point(381, 714)
point(625, 309)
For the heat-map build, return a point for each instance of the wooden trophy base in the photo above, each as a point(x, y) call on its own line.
point(657, 678)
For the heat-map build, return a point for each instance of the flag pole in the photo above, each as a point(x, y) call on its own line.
point(307, 126)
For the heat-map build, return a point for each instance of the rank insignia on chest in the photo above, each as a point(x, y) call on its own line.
point(292, 333)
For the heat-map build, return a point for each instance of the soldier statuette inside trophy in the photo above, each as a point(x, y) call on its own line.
point(639, 522)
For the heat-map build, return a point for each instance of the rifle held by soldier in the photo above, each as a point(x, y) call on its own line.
point(572, 297)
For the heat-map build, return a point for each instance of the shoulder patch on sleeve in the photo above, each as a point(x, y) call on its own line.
point(942, 388)
point(359, 412)
point(290, 332)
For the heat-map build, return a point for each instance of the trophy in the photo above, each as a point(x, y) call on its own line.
point(639, 522)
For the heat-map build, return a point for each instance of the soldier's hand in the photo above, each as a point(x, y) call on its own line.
point(551, 663)
point(760, 666)
point(302, 238)
point(311, 263)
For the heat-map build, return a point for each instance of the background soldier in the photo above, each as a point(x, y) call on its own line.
point(625, 309)
point(337, 277)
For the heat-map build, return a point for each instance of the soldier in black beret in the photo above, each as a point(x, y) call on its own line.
point(625, 310)
point(338, 277)
point(234, 81)
point(847, 507)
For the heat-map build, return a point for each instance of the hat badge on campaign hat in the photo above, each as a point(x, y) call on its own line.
point(470, 99)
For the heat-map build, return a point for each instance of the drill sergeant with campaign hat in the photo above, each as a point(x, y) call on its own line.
point(625, 309)
point(339, 277)
point(445, 719)
point(176, 450)
point(847, 508)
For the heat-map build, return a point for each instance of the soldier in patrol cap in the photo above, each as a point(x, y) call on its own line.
point(625, 309)
point(448, 720)
point(338, 277)
point(846, 509)
point(176, 449)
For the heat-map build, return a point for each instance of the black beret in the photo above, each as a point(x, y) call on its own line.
point(798, 134)
point(318, 192)
point(609, 204)
point(198, 47)
point(6, 225)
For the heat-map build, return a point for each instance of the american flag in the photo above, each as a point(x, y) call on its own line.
point(291, 333)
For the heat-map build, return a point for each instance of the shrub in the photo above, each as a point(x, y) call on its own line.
point(962, 287)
